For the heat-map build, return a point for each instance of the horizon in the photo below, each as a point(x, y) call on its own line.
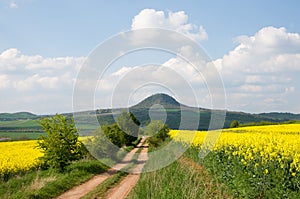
point(237, 111)
point(257, 61)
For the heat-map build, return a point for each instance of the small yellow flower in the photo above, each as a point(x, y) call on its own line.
point(266, 171)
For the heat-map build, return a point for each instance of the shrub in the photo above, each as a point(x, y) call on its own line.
point(61, 144)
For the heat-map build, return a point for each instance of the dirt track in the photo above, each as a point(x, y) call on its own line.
point(123, 189)
point(130, 180)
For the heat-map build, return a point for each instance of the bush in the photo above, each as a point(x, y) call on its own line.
point(61, 144)
point(158, 132)
point(234, 124)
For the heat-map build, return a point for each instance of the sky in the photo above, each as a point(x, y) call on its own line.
point(254, 46)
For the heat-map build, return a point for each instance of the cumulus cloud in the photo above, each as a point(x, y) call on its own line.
point(263, 67)
point(25, 76)
point(260, 74)
point(177, 21)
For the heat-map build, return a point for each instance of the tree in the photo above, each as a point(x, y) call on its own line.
point(114, 134)
point(234, 124)
point(100, 147)
point(158, 132)
point(61, 144)
point(129, 126)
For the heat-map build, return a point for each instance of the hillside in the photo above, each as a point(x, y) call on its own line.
point(173, 110)
point(162, 99)
point(17, 116)
point(23, 121)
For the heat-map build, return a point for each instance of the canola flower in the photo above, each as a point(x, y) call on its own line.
point(18, 156)
point(256, 147)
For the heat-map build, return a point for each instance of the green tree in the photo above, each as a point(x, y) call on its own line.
point(234, 124)
point(99, 146)
point(114, 134)
point(158, 132)
point(61, 144)
point(129, 126)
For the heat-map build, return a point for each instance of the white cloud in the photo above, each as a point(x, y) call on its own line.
point(262, 67)
point(4, 81)
point(177, 21)
point(260, 74)
point(25, 76)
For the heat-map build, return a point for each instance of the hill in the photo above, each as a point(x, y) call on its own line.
point(173, 110)
point(17, 116)
point(162, 99)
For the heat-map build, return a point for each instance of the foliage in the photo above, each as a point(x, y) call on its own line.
point(114, 134)
point(234, 124)
point(107, 141)
point(61, 144)
point(158, 132)
point(50, 183)
point(256, 162)
point(129, 126)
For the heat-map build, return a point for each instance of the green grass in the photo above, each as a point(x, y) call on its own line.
point(182, 179)
point(20, 135)
point(20, 123)
point(50, 183)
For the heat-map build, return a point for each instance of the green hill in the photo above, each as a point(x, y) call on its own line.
point(174, 110)
point(17, 116)
point(162, 99)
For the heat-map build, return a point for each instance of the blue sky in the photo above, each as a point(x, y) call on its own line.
point(53, 31)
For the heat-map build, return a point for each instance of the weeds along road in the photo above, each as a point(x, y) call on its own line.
point(123, 188)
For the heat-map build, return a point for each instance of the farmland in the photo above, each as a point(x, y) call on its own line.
point(19, 156)
point(255, 161)
point(244, 162)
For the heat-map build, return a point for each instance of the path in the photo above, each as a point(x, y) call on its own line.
point(81, 190)
point(124, 188)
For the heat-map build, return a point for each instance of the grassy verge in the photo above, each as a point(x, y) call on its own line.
point(50, 183)
point(182, 179)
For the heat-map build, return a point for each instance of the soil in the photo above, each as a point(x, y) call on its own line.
point(123, 188)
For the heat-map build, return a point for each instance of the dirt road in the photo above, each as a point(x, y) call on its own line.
point(83, 189)
point(124, 188)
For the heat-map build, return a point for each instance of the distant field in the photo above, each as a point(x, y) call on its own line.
point(19, 135)
point(20, 124)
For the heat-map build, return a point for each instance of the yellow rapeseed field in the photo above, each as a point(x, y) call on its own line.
point(254, 146)
point(18, 156)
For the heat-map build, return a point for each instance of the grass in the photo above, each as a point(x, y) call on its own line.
point(11, 136)
point(182, 179)
point(50, 183)
point(21, 124)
